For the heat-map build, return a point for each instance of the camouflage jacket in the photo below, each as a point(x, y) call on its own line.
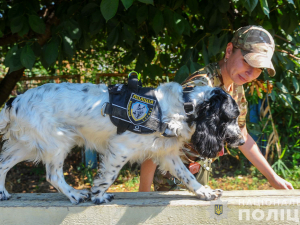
point(210, 75)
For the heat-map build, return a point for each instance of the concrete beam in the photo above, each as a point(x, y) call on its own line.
point(261, 207)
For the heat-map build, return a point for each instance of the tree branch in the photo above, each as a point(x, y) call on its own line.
point(284, 39)
point(9, 39)
point(289, 54)
point(8, 83)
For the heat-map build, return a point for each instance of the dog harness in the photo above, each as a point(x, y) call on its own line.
point(134, 108)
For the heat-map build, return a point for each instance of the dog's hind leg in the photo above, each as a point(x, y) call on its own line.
point(175, 166)
point(110, 166)
point(54, 175)
point(8, 159)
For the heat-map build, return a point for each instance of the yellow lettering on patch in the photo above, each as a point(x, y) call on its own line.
point(149, 101)
point(128, 111)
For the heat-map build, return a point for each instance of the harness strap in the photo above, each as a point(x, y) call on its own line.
point(189, 106)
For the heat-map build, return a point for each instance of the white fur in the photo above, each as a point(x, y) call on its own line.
point(44, 124)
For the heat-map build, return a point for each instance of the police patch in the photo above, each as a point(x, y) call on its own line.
point(139, 108)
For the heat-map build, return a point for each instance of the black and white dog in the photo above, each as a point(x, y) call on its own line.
point(44, 124)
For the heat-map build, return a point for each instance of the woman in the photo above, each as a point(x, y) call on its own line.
point(249, 52)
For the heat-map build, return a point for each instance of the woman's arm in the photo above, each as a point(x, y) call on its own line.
point(253, 154)
point(146, 175)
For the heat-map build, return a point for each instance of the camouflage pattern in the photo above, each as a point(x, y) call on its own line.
point(257, 47)
point(165, 182)
point(207, 76)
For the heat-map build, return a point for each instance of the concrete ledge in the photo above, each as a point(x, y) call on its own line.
point(154, 208)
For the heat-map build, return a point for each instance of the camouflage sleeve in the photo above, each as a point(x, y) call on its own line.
point(199, 78)
point(243, 105)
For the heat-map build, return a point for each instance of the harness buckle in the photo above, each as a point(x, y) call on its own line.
point(103, 109)
point(193, 110)
point(175, 181)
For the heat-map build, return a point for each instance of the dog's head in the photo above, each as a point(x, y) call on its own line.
point(216, 124)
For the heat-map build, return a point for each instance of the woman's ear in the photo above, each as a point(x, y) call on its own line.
point(229, 50)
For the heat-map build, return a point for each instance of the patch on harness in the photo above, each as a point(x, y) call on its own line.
point(139, 108)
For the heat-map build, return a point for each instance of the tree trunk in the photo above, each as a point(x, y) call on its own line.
point(8, 84)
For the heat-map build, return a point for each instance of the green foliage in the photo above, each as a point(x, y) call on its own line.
point(36, 24)
point(87, 172)
point(137, 27)
point(109, 8)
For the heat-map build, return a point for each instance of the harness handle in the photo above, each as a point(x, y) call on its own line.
point(134, 81)
point(138, 75)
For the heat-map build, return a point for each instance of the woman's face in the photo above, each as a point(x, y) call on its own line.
point(238, 69)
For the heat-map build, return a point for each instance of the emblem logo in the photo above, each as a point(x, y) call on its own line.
point(218, 209)
point(139, 108)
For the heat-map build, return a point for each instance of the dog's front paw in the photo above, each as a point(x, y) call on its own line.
point(4, 195)
point(207, 194)
point(79, 196)
point(98, 199)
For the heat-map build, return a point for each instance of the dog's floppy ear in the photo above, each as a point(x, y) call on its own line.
point(230, 108)
point(205, 139)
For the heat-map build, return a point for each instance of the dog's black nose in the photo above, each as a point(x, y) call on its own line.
point(241, 142)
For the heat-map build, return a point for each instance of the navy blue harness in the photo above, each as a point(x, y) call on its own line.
point(134, 108)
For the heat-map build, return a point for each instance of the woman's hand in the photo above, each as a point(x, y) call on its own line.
point(279, 183)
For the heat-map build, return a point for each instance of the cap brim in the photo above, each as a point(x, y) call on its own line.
point(258, 60)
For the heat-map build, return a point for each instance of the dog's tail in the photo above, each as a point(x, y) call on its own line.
point(4, 116)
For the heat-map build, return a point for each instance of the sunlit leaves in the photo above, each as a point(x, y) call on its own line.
point(287, 98)
point(178, 23)
point(68, 46)
point(265, 7)
point(296, 84)
point(73, 29)
point(282, 87)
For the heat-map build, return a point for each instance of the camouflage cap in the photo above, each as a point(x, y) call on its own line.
point(257, 46)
